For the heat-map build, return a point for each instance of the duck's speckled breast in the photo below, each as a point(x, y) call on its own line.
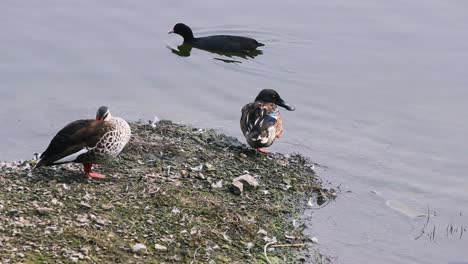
point(113, 141)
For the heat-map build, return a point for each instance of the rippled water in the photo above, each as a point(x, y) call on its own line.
point(380, 89)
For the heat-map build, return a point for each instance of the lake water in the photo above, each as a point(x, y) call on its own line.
point(380, 87)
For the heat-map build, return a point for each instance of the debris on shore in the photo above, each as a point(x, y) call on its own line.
point(176, 194)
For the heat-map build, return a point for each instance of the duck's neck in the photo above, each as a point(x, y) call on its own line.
point(189, 37)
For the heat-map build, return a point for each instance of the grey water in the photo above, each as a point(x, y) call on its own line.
point(380, 89)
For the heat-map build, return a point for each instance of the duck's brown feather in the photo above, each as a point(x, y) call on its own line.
point(255, 121)
point(77, 135)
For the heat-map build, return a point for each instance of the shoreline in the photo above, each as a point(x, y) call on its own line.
point(171, 197)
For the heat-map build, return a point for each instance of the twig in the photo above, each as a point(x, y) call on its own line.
point(290, 245)
point(265, 250)
point(195, 255)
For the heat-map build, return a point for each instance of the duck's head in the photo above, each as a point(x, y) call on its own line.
point(271, 96)
point(183, 30)
point(103, 114)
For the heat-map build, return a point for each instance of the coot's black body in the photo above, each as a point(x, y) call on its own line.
point(222, 43)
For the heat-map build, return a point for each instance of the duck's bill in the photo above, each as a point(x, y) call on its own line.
point(170, 32)
point(286, 105)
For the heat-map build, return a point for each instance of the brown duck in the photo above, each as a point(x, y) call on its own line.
point(261, 121)
point(88, 141)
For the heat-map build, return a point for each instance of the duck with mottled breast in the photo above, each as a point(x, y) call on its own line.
point(88, 141)
point(261, 121)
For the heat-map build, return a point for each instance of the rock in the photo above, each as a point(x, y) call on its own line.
point(197, 168)
point(262, 232)
point(139, 248)
point(200, 176)
point(85, 205)
point(218, 184)
point(237, 187)
point(85, 250)
point(160, 247)
point(175, 210)
point(246, 181)
point(209, 167)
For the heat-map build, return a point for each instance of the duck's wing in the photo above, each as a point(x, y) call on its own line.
point(227, 43)
point(257, 117)
point(72, 141)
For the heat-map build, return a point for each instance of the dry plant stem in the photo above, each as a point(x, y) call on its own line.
point(290, 245)
point(265, 250)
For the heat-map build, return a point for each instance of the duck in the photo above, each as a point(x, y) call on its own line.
point(88, 141)
point(261, 121)
point(220, 43)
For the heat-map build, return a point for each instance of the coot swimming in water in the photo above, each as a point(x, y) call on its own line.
point(222, 43)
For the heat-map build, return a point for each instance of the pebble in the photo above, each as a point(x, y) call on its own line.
point(160, 247)
point(184, 172)
point(209, 167)
point(237, 187)
point(218, 184)
point(243, 181)
point(139, 248)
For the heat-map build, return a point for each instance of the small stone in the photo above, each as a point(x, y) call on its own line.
point(218, 184)
point(314, 240)
point(249, 245)
point(82, 219)
point(209, 167)
point(85, 250)
point(237, 187)
point(243, 155)
point(184, 173)
point(139, 248)
point(160, 247)
point(175, 210)
point(262, 231)
point(247, 180)
point(197, 168)
point(87, 197)
point(85, 205)
point(107, 206)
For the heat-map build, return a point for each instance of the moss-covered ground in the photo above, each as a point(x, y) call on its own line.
point(166, 199)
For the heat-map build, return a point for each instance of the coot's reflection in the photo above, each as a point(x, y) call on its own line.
point(184, 50)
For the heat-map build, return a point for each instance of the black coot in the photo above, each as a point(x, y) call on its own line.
point(222, 43)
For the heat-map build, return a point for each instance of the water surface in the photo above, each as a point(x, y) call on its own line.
point(380, 89)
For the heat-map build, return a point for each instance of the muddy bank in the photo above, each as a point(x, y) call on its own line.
point(168, 198)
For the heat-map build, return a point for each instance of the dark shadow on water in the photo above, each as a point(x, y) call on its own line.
point(184, 50)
